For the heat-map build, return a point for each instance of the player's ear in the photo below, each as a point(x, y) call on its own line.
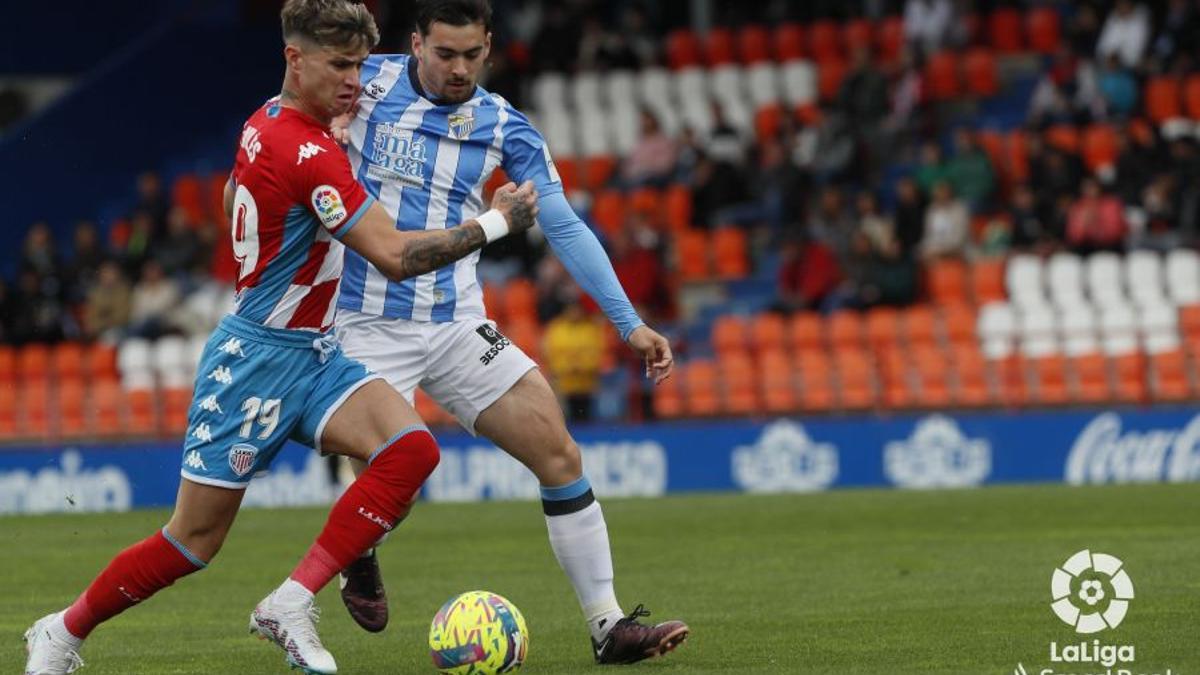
point(487, 45)
point(416, 42)
point(293, 55)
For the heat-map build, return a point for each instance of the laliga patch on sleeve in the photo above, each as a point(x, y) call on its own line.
point(327, 203)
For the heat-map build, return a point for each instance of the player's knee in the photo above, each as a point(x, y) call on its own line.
point(562, 462)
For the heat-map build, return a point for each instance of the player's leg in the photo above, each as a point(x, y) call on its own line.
point(397, 351)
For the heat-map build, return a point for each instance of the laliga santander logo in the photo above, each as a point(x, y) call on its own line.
point(328, 203)
point(1091, 592)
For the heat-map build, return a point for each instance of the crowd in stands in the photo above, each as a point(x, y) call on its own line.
point(844, 203)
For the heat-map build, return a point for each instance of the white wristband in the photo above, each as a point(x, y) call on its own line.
point(493, 223)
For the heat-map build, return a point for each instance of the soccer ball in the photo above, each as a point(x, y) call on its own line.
point(478, 633)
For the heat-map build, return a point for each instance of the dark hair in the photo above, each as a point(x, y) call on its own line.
point(329, 23)
point(453, 12)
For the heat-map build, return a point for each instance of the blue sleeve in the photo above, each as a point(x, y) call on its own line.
point(584, 257)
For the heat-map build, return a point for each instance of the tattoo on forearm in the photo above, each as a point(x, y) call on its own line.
point(438, 249)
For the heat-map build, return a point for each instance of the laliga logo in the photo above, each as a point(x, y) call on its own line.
point(1091, 592)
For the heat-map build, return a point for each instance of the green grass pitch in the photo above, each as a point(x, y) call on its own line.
point(859, 581)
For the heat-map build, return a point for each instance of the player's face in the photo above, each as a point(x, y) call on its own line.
point(450, 59)
point(329, 77)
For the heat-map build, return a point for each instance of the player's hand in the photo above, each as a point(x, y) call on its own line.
point(655, 350)
point(339, 128)
point(517, 204)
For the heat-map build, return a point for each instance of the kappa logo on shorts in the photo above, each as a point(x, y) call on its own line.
point(241, 458)
point(494, 338)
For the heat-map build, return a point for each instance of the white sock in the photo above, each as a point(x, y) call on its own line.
point(293, 594)
point(580, 542)
point(58, 628)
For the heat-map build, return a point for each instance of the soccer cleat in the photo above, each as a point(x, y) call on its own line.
point(629, 641)
point(294, 629)
point(363, 594)
point(48, 655)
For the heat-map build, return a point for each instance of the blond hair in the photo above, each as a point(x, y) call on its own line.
point(329, 23)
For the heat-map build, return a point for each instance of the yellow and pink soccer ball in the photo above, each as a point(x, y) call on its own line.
point(478, 633)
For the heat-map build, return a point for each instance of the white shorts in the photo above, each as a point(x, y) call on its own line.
point(463, 365)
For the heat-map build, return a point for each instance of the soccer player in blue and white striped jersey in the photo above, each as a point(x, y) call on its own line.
point(424, 141)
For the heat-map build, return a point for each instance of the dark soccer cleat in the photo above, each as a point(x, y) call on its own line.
point(362, 591)
point(630, 641)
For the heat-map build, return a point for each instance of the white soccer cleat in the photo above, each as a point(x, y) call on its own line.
point(294, 629)
point(49, 655)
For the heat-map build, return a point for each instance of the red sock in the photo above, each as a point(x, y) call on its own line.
point(135, 574)
point(370, 507)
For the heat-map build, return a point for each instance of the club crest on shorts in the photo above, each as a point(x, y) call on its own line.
point(241, 458)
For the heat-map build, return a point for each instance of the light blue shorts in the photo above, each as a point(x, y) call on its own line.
point(256, 388)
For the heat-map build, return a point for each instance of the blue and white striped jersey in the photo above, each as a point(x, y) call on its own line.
point(427, 165)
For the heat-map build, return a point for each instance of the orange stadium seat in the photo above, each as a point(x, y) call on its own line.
point(72, 399)
point(647, 202)
point(187, 192)
point(525, 333)
point(845, 329)
point(67, 359)
point(33, 404)
point(1099, 146)
point(740, 384)
point(668, 396)
point(597, 170)
point(1129, 381)
point(778, 383)
point(568, 172)
point(493, 302)
point(729, 253)
point(882, 327)
point(787, 42)
point(932, 368)
point(1191, 96)
point(1189, 320)
point(175, 404)
point(108, 402)
point(987, 281)
point(718, 47)
point(767, 122)
point(754, 44)
point(142, 413)
point(520, 300)
point(824, 41)
point(1011, 381)
point(959, 321)
point(889, 39)
point(816, 385)
point(100, 361)
point(992, 142)
point(1042, 27)
point(979, 72)
point(829, 78)
point(8, 364)
point(1169, 374)
point(858, 34)
point(730, 334)
point(941, 76)
point(856, 379)
point(1005, 31)
point(947, 281)
point(1016, 156)
point(806, 332)
point(1091, 378)
point(970, 369)
point(921, 325)
point(8, 412)
point(691, 251)
point(33, 362)
point(683, 49)
point(608, 211)
point(1050, 377)
point(702, 387)
point(1162, 99)
point(214, 202)
point(1064, 137)
point(768, 332)
point(897, 380)
point(677, 202)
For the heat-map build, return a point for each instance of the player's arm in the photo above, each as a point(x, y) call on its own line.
point(403, 254)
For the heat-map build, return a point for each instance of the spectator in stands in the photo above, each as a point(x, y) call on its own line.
point(863, 95)
point(970, 171)
point(947, 225)
point(1179, 31)
point(1185, 162)
point(108, 304)
point(1095, 221)
point(638, 262)
point(1134, 167)
point(154, 300)
point(557, 41)
point(715, 184)
point(927, 24)
point(8, 311)
point(832, 225)
point(1031, 228)
point(1083, 30)
point(909, 216)
point(574, 350)
point(152, 201)
point(1118, 88)
point(134, 247)
point(652, 161)
point(906, 99)
point(875, 225)
point(808, 274)
point(602, 49)
point(1066, 93)
point(1157, 214)
point(827, 150)
point(38, 254)
point(1126, 33)
point(932, 169)
point(1053, 172)
point(178, 250)
point(87, 255)
point(38, 314)
point(776, 187)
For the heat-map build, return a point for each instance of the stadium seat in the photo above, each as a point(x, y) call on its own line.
point(1017, 156)
point(959, 322)
point(175, 404)
point(856, 381)
point(1011, 381)
point(597, 169)
point(979, 72)
point(844, 330)
point(1064, 279)
point(214, 207)
point(1158, 326)
point(932, 368)
point(754, 44)
point(677, 203)
point(133, 360)
point(1169, 376)
point(33, 362)
point(1191, 96)
point(691, 254)
point(187, 193)
point(568, 172)
point(1041, 25)
point(947, 281)
point(1091, 378)
point(683, 49)
point(525, 333)
point(941, 76)
point(719, 47)
point(1023, 279)
point(171, 362)
point(730, 334)
point(920, 325)
point(100, 360)
point(493, 302)
point(824, 41)
point(739, 381)
point(520, 300)
point(787, 42)
point(767, 122)
point(1143, 272)
point(549, 92)
point(806, 332)
point(762, 81)
point(33, 408)
point(67, 359)
point(815, 373)
point(8, 365)
point(108, 406)
point(996, 328)
point(858, 34)
point(768, 333)
point(1189, 320)
point(8, 412)
point(1077, 328)
point(702, 388)
point(1183, 276)
point(668, 397)
point(889, 39)
point(987, 281)
point(1162, 99)
point(729, 253)
point(1104, 279)
point(970, 370)
point(646, 202)
point(1039, 331)
point(1129, 381)
point(829, 78)
point(72, 419)
point(1005, 30)
point(882, 327)
point(1050, 380)
point(1099, 146)
point(1118, 325)
point(1065, 137)
point(142, 413)
point(608, 211)
point(799, 83)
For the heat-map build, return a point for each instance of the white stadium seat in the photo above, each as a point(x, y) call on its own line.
point(592, 132)
point(1104, 279)
point(1077, 327)
point(625, 125)
point(1039, 336)
point(620, 89)
point(996, 326)
point(1143, 277)
point(1118, 324)
point(1064, 280)
point(134, 356)
point(549, 92)
point(691, 87)
point(585, 91)
point(1183, 276)
point(557, 127)
point(799, 82)
point(726, 83)
point(654, 87)
point(1159, 328)
point(1023, 279)
point(763, 83)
